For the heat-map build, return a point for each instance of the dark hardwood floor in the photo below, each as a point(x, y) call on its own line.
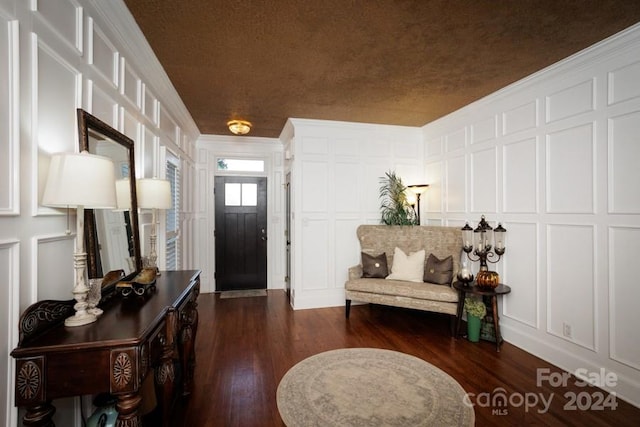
point(245, 346)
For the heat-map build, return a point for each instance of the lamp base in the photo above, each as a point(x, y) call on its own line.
point(80, 319)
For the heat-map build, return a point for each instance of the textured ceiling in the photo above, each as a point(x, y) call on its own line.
point(399, 62)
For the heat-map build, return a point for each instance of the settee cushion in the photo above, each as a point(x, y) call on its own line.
point(374, 266)
point(438, 271)
point(407, 267)
point(403, 288)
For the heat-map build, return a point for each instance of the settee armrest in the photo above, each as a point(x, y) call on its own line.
point(355, 272)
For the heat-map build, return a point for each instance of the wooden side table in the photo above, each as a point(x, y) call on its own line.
point(493, 294)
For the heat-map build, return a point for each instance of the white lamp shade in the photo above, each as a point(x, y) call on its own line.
point(153, 193)
point(123, 194)
point(80, 180)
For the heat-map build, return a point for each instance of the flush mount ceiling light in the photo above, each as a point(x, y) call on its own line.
point(239, 127)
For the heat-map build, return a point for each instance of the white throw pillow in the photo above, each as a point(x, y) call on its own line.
point(409, 268)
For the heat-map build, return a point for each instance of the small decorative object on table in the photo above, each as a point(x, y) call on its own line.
point(465, 275)
point(93, 296)
point(487, 279)
point(143, 283)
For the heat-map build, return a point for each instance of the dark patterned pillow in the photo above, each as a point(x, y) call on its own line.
point(374, 266)
point(438, 271)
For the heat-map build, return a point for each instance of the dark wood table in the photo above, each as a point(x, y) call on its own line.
point(134, 337)
point(490, 293)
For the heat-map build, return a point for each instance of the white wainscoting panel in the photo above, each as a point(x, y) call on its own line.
point(150, 104)
point(456, 179)
point(376, 148)
point(484, 130)
point(9, 314)
point(102, 105)
point(456, 140)
point(433, 196)
point(571, 101)
point(406, 149)
point(53, 256)
point(315, 253)
point(624, 294)
point(433, 147)
point(131, 85)
point(9, 124)
point(520, 118)
point(570, 170)
point(346, 191)
point(168, 125)
point(347, 249)
point(64, 17)
point(313, 145)
point(522, 244)
point(347, 147)
point(373, 171)
point(624, 161)
point(571, 281)
point(130, 126)
point(148, 155)
point(623, 83)
point(484, 181)
point(315, 176)
point(520, 176)
point(57, 93)
point(103, 55)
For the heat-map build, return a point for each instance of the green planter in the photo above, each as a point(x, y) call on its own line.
point(473, 328)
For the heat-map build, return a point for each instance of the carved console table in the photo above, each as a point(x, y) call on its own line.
point(133, 338)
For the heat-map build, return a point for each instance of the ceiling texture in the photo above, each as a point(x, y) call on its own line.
point(399, 62)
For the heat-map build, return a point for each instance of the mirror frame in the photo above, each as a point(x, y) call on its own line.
point(86, 123)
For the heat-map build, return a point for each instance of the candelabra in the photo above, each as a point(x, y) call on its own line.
point(481, 242)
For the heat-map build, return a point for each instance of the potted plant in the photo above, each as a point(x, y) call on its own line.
point(394, 206)
point(476, 310)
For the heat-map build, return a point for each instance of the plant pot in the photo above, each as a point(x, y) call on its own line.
point(473, 328)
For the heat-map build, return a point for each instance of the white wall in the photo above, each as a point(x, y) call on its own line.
point(555, 158)
point(335, 175)
point(57, 56)
point(209, 149)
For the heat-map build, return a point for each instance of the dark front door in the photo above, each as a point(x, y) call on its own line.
point(241, 233)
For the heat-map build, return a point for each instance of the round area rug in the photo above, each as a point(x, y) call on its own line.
point(370, 387)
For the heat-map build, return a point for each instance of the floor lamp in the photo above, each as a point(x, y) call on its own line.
point(154, 194)
point(80, 181)
point(418, 189)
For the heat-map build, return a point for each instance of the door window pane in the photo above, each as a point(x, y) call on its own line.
point(249, 194)
point(232, 194)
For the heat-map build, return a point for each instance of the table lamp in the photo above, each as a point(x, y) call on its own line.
point(80, 180)
point(154, 194)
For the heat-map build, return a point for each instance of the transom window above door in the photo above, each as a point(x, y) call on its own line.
point(240, 165)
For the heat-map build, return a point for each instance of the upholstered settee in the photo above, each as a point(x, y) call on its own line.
point(441, 242)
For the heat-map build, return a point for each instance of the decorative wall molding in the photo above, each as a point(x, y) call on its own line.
point(9, 118)
point(9, 316)
point(567, 161)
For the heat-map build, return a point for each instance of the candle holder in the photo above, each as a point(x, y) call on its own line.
point(483, 238)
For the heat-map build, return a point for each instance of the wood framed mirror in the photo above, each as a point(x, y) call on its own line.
point(112, 236)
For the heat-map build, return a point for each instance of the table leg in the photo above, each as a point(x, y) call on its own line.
point(496, 323)
point(127, 407)
point(40, 415)
point(165, 372)
point(461, 296)
point(188, 339)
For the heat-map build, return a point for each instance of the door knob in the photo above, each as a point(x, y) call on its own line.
point(264, 234)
